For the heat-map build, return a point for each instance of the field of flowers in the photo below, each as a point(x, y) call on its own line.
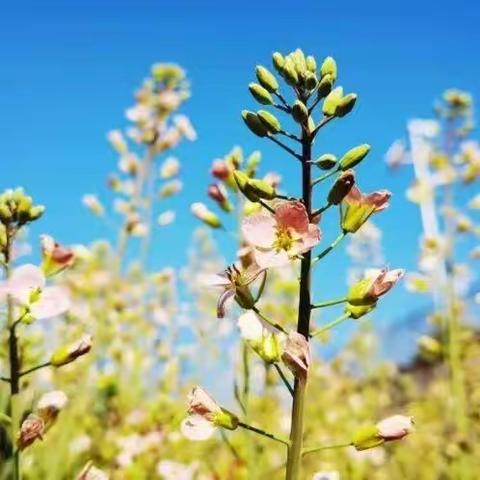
point(103, 360)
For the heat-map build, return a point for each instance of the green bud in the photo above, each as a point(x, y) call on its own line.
point(24, 205)
point(252, 163)
point(242, 179)
point(298, 58)
point(278, 61)
point(354, 156)
point(270, 121)
point(326, 161)
point(5, 213)
point(310, 80)
point(250, 208)
point(311, 63)
point(325, 86)
point(289, 73)
point(346, 105)
point(299, 112)
point(266, 79)
point(260, 189)
point(341, 187)
point(329, 67)
point(367, 437)
point(260, 94)
point(36, 212)
point(254, 123)
point(331, 102)
point(225, 419)
point(358, 311)
point(269, 349)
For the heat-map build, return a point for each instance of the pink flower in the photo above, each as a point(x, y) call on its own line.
point(55, 257)
point(357, 207)
point(281, 238)
point(296, 355)
point(395, 427)
point(205, 415)
point(27, 287)
point(235, 284)
point(221, 169)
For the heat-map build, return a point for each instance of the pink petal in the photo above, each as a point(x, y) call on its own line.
point(378, 199)
point(196, 428)
point(251, 328)
point(272, 258)
point(353, 196)
point(53, 301)
point(259, 230)
point(222, 300)
point(214, 280)
point(24, 279)
point(292, 215)
point(308, 241)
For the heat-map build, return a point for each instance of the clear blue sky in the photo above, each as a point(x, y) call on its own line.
point(68, 70)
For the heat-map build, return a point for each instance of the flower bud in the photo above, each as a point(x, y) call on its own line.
point(269, 349)
point(325, 86)
point(260, 94)
point(266, 78)
point(311, 63)
point(366, 437)
point(221, 169)
point(242, 179)
point(254, 123)
point(296, 355)
point(116, 139)
point(218, 193)
point(205, 215)
point(32, 429)
point(299, 112)
point(65, 355)
point(358, 311)
point(92, 203)
point(354, 156)
point(55, 257)
point(298, 58)
point(6, 214)
point(341, 187)
point(346, 105)
point(49, 406)
point(331, 101)
point(270, 122)
point(278, 61)
point(326, 161)
point(329, 67)
point(36, 212)
point(310, 80)
point(289, 73)
point(260, 189)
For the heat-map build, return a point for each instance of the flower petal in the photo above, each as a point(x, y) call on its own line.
point(292, 215)
point(53, 301)
point(196, 428)
point(23, 280)
point(272, 258)
point(222, 300)
point(259, 230)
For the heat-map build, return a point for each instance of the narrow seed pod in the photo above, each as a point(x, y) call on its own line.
point(299, 112)
point(329, 67)
point(254, 123)
point(260, 94)
point(346, 105)
point(326, 161)
point(266, 78)
point(311, 63)
point(278, 61)
point(354, 156)
point(331, 102)
point(270, 121)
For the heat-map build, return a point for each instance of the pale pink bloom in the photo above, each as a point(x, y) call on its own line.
point(201, 403)
point(235, 284)
point(383, 281)
point(296, 355)
point(50, 404)
point(283, 237)
point(184, 125)
point(56, 257)
point(197, 428)
point(27, 288)
point(377, 200)
point(252, 327)
point(93, 204)
point(395, 427)
point(273, 179)
point(221, 169)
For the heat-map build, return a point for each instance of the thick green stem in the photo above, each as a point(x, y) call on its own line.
point(303, 325)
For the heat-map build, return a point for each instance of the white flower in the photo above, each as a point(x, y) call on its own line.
point(170, 168)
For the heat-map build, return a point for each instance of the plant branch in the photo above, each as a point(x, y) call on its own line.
point(331, 325)
point(284, 378)
point(306, 451)
point(322, 123)
point(33, 369)
point(285, 147)
point(318, 211)
point(270, 322)
point(328, 303)
point(329, 248)
point(324, 177)
point(259, 431)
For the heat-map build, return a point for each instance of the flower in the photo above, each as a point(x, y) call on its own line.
point(93, 204)
point(204, 415)
point(115, 137)
point(27, 287)
point(296, 355)
point(32, 429)
point(55, 257)
point(221, 169)
point(395, 427)
point(185, 127)
point(218, 193)
point(201, 211)
point(376, 283)
point(283, 237)
point(357, 208)
point(235, 284)
point(170, 168)
point(65, 355)
point(166, 218)
point(50, 404)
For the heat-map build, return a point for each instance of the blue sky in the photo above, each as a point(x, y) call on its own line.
point(68, 70)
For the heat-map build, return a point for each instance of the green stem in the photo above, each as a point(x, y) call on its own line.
point(259, 431)
point(331, 325)
point(324, 177)
point(284, 378)
point(321, 210)
point(266, 206)
point(306, 451)
point(329, 248)
point(287, 149)
point(322, 123)
point(33, 369)
point(329, 303)
point(270, 322)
